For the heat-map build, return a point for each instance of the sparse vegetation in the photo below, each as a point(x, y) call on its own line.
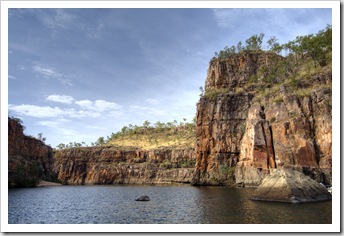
point(278, 98)
point(170, 134)
point(212, 93)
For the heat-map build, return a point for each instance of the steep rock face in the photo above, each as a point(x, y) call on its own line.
point(220, 127)
point(235, 71)
point(222, 114)
point(110, 165)
point(297, 134)
point(239, 139)
point(28, 158)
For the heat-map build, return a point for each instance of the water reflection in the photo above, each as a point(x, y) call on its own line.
point(169, 204)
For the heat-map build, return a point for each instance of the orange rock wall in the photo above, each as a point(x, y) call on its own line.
point(239, 140)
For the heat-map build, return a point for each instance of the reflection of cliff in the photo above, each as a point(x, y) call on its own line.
point(247, 124)
point(111, 165)
point(29, 159)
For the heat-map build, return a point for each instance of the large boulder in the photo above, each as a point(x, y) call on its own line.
point(286, 185)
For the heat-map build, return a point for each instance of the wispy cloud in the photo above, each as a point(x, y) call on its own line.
point(59, 19)
point(11, 77)
point(50, 72)
point(49, 123)
point(152, 101)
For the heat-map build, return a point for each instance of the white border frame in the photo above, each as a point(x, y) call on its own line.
point(334, 227)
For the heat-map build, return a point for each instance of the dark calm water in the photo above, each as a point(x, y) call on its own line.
point(168, 205)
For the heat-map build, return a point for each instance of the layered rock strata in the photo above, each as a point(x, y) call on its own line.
point(242, 134)
point(111, 165)
point(29, 159)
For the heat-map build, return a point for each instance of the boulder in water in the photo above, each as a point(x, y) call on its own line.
point(143, 199)
point(286, 185)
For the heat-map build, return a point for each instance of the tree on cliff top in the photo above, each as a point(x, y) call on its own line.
point(315, 46)
point(254, 42)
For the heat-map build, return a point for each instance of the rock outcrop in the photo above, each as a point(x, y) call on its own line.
point(243, 131)
point(286, 185)
point(111, 165)
point(29, 159)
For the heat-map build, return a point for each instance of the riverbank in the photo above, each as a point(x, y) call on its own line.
point(43, 183)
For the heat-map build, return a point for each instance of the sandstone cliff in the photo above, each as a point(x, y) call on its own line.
point(252, 119)
point(29, 159)
point(112, 165)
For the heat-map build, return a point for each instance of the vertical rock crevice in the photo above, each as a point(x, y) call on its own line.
point(292, 131)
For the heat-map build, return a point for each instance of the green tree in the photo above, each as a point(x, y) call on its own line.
point(273, 45)
point(61, 146)
point(100, 141)
point(202, 91)
point(239, 47)
point(124, 129)
point(146, 124)
point(254, 42)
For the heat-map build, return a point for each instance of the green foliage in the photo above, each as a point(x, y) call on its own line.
point(240, 47)
point(278, 98)
point(292, 114)
point(273, 45)
point(315, 46)
point(228, 171)
point(26, 175)
point(188, 164)
point(166, 165)
point(305, 92)
point(272, 120)
point(254, 42)
point(213, 93)
point(176, 134)
point(243, 127)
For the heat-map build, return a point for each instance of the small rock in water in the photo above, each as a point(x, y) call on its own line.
point(143, 199)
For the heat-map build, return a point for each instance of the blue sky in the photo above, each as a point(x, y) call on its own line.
point(78, 74)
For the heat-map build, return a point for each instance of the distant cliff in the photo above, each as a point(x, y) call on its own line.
point(258, 113)
point(29, 159)
point(113, 165)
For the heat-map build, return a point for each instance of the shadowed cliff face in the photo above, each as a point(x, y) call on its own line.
point(240, 137)
point(29, 159)
point(110, 165)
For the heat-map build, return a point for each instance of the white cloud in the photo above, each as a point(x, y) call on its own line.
point(87, 109)
point(152, 101)
point(11, 77)
point(36, 111)
point(50, 112)
point(104, 105)
point(60, 98)
point(86, 104)
point(98, 105)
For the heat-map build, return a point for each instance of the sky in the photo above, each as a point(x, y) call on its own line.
point(79, 74)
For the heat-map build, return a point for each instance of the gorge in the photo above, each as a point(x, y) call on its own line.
point(255, 116)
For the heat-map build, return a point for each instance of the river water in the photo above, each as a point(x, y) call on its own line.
point(180, 204)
